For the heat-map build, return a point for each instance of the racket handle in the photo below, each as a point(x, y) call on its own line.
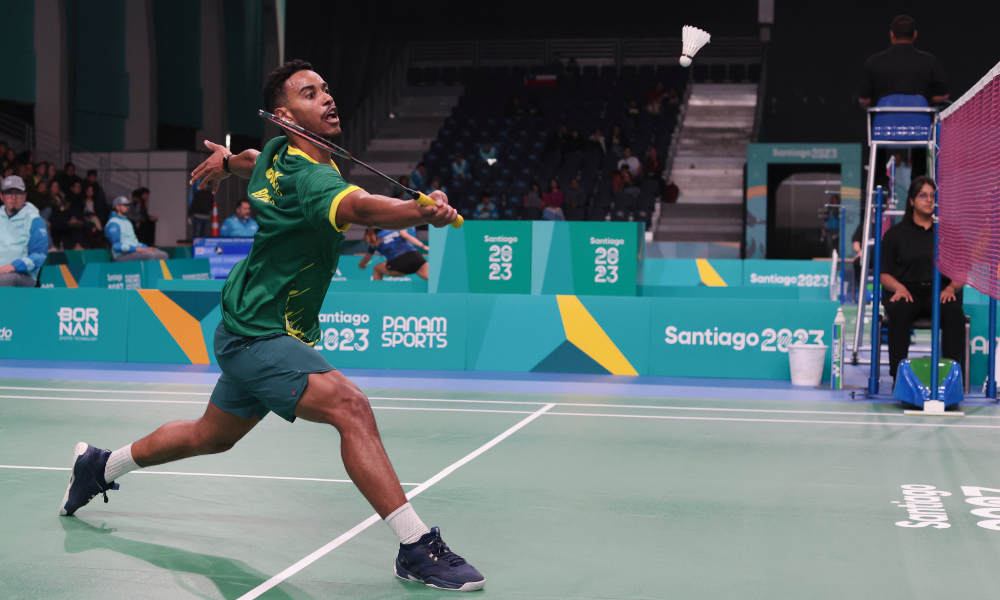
point(425, 200)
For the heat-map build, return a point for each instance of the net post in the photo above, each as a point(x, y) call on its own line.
point(876, 297)
point(936, 287)
point(991, 375)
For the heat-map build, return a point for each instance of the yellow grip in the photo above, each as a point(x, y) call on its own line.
point(425, 200)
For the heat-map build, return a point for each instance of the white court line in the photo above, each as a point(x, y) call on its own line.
point(521, 403)
point(669, 417)
point(305, 562)
point(628, 406)
point(108, 400)
point(202, 475)
point(653, 407)
point(40, 389)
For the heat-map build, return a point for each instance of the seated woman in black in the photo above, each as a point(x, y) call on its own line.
point(907, 271)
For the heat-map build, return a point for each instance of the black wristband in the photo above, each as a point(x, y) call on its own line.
point(225, 164)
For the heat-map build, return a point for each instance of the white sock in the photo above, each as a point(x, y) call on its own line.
point(405, 523)
point(119, 463)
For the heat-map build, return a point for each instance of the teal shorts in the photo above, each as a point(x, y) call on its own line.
point(263, 374)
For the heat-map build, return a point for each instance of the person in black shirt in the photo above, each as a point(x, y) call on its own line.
point(902, 69)
point(907, 273)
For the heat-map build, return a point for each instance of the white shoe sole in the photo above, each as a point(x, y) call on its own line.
point(80, 449)
point(472, 586)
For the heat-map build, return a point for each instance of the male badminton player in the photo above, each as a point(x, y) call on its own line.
point(400, 251)
point(270, 307)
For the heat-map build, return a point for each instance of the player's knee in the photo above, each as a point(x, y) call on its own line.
point(350, 406)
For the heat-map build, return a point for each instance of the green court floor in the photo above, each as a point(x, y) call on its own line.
point(588, 497)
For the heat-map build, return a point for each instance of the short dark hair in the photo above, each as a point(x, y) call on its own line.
point(486, 195)
point(903, 27)
point(243, 201)
point(916, 185)
point(68, 165)
point(91, 172)
point(274, 87)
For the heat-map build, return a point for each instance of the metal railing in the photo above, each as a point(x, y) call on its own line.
point(375, 109)
point(17, 133)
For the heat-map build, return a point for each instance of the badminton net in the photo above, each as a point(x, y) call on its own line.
point(968, 178)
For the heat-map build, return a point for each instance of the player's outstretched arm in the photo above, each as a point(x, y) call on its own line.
point(362, 208)
point(212, 171)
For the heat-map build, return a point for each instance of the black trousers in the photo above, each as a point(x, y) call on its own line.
point(902, 314)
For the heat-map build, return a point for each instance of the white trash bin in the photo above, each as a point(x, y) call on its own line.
point(806, 362)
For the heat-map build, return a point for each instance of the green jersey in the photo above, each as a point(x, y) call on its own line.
point(280, 286)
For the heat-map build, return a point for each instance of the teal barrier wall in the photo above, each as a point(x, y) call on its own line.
point(124, 275)
point(385, 331)
point(63, 324)
point(482, 332)
point(708, 338)
point(537, 257)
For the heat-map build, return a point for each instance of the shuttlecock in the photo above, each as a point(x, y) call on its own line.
point(694, 39)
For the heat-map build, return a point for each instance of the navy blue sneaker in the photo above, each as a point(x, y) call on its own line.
point(86, 478)
point(430, 562)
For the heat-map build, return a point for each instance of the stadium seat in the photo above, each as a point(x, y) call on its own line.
point(466, 75)
point(596, 213)
point(432, 75)
point(449, 75)
point(414, 76)
point(737, 73)
point(718, 73)
point(531, 214)
point(650, 187)
point(575, 214)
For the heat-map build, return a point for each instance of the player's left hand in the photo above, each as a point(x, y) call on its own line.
point(948, 295)
point(211, 172)
point(441, 214)
point(6, 269)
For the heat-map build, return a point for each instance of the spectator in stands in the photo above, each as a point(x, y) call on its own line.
point(487, 152)
point(460, 168)
point(533, 203)
point(68, 177)
point(631, 163)
point(40, 170)
point(485, 210)
point(51, 173)
point(144, 223)
point(240, 224)
point(575, 196)
point(397, 192)
point(75, 194)
point(23, 236)
point(418, 178)
point(596, 142)
point(557, 67)
point(100, 199)
point(26, 171)
point(632, 112)
point(621, 179)
point(652, 168)
point(125, 246)
point(200, 212)
point(907, 270)
point(92, 219)
point(436, 186)
point(574, 143)
point(619, 141)
point(514, 109)
point(673, 102)
point(573, 68)
point(66, 221)
point(902, 69)
point(552, 202)
point(830, 233)
point(7, 172)
point(11, 158)
point(3, 153)
point(41, 200)
point(671, 192)
point(654, 99)
point(557, 140)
